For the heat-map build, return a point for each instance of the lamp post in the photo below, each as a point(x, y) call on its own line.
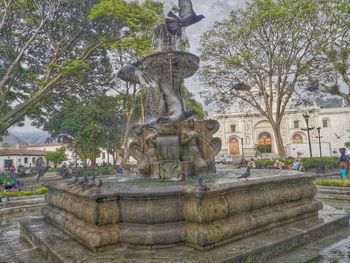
point(306, 118)
point(319, 139)
point(242, 148)
point(108, 147)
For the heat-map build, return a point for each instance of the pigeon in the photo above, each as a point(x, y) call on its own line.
point(246, 174)
point(240, 87)
point(92, 182)
point(338, 137)
point(134, 74)
point(99, 183)
point(316, 86)
point(42, 170)
point(74, 181)
point(202, 186)
point(65, 138)
point(187, 17)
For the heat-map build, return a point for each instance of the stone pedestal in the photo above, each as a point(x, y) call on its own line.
point(181, 214)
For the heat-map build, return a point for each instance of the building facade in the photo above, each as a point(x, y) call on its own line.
point(27, 155)
point(251, 131)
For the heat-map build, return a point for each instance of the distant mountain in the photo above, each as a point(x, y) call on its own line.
point(25, 137)
point(12, 140)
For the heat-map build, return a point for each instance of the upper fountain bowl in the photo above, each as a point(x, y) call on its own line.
point(174, 64)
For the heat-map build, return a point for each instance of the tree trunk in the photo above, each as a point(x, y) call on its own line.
point(278, 141)
point(126, 140)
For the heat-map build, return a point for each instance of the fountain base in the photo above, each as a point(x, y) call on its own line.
point(181, 215)
point(58, 246)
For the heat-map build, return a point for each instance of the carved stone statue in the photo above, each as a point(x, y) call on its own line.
point(190, 139)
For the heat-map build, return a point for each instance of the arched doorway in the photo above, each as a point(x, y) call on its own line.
point(265, 142)
point(297, 139)
point(233, 146)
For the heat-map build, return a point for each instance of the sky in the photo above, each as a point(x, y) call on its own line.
point(213, 10)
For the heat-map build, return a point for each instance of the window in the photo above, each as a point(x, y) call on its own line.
point(264, 143)
point(233, 128)
point(25, 160)
point(33, 160)
point(296, 124)
point(297, 138)
point(325, 123)
point(103, 156)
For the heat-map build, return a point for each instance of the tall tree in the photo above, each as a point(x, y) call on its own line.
point(66, 36)
point(262, 53)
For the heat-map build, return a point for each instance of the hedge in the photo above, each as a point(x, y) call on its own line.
point(339, 183)
point(308, 163)
point(39, 191)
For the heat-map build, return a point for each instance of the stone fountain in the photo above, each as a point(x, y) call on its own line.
point(162, 220)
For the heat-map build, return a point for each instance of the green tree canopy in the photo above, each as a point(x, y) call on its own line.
point(95, 124)
point(57, 156)
point(263, 53)
point(54, 48)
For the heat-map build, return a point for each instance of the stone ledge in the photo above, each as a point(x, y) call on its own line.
point(57, 245)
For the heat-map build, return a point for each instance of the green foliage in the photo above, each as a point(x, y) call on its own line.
point(137, 20)
point(74, 67)
point(347, 145)
point(192, 103)
point(339, 183)
point(39, 191)
point(57, 156)
point(308, 163)
point(94, 123)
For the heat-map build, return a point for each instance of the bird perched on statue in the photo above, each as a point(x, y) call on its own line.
point(187, 17)
point(201, 185)
point(246, 173)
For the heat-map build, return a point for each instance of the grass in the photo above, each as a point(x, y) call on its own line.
point(339, 183)
point(39, 191)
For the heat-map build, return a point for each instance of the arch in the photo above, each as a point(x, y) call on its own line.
point(265, 142)
point(297, 138)
point(233, 146)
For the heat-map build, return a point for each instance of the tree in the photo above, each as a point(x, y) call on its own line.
point(347, 145)
point(262, 54)
point(337, 53)
point(61, 39)
point(192, 103)
point(94, 124)
point(57, 156)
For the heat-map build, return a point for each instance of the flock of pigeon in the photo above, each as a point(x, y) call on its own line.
point(85, 183)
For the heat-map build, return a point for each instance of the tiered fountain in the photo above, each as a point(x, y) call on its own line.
point(227, 220)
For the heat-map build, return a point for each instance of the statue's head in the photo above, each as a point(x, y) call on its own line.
point(191, 124)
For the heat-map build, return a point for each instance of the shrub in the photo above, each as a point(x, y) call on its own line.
point(339, 183)
point(39, 191)
point(308, 163)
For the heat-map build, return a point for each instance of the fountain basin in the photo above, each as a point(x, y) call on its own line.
point(169, 215)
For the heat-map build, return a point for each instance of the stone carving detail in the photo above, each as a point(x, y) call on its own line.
point(170, 150)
